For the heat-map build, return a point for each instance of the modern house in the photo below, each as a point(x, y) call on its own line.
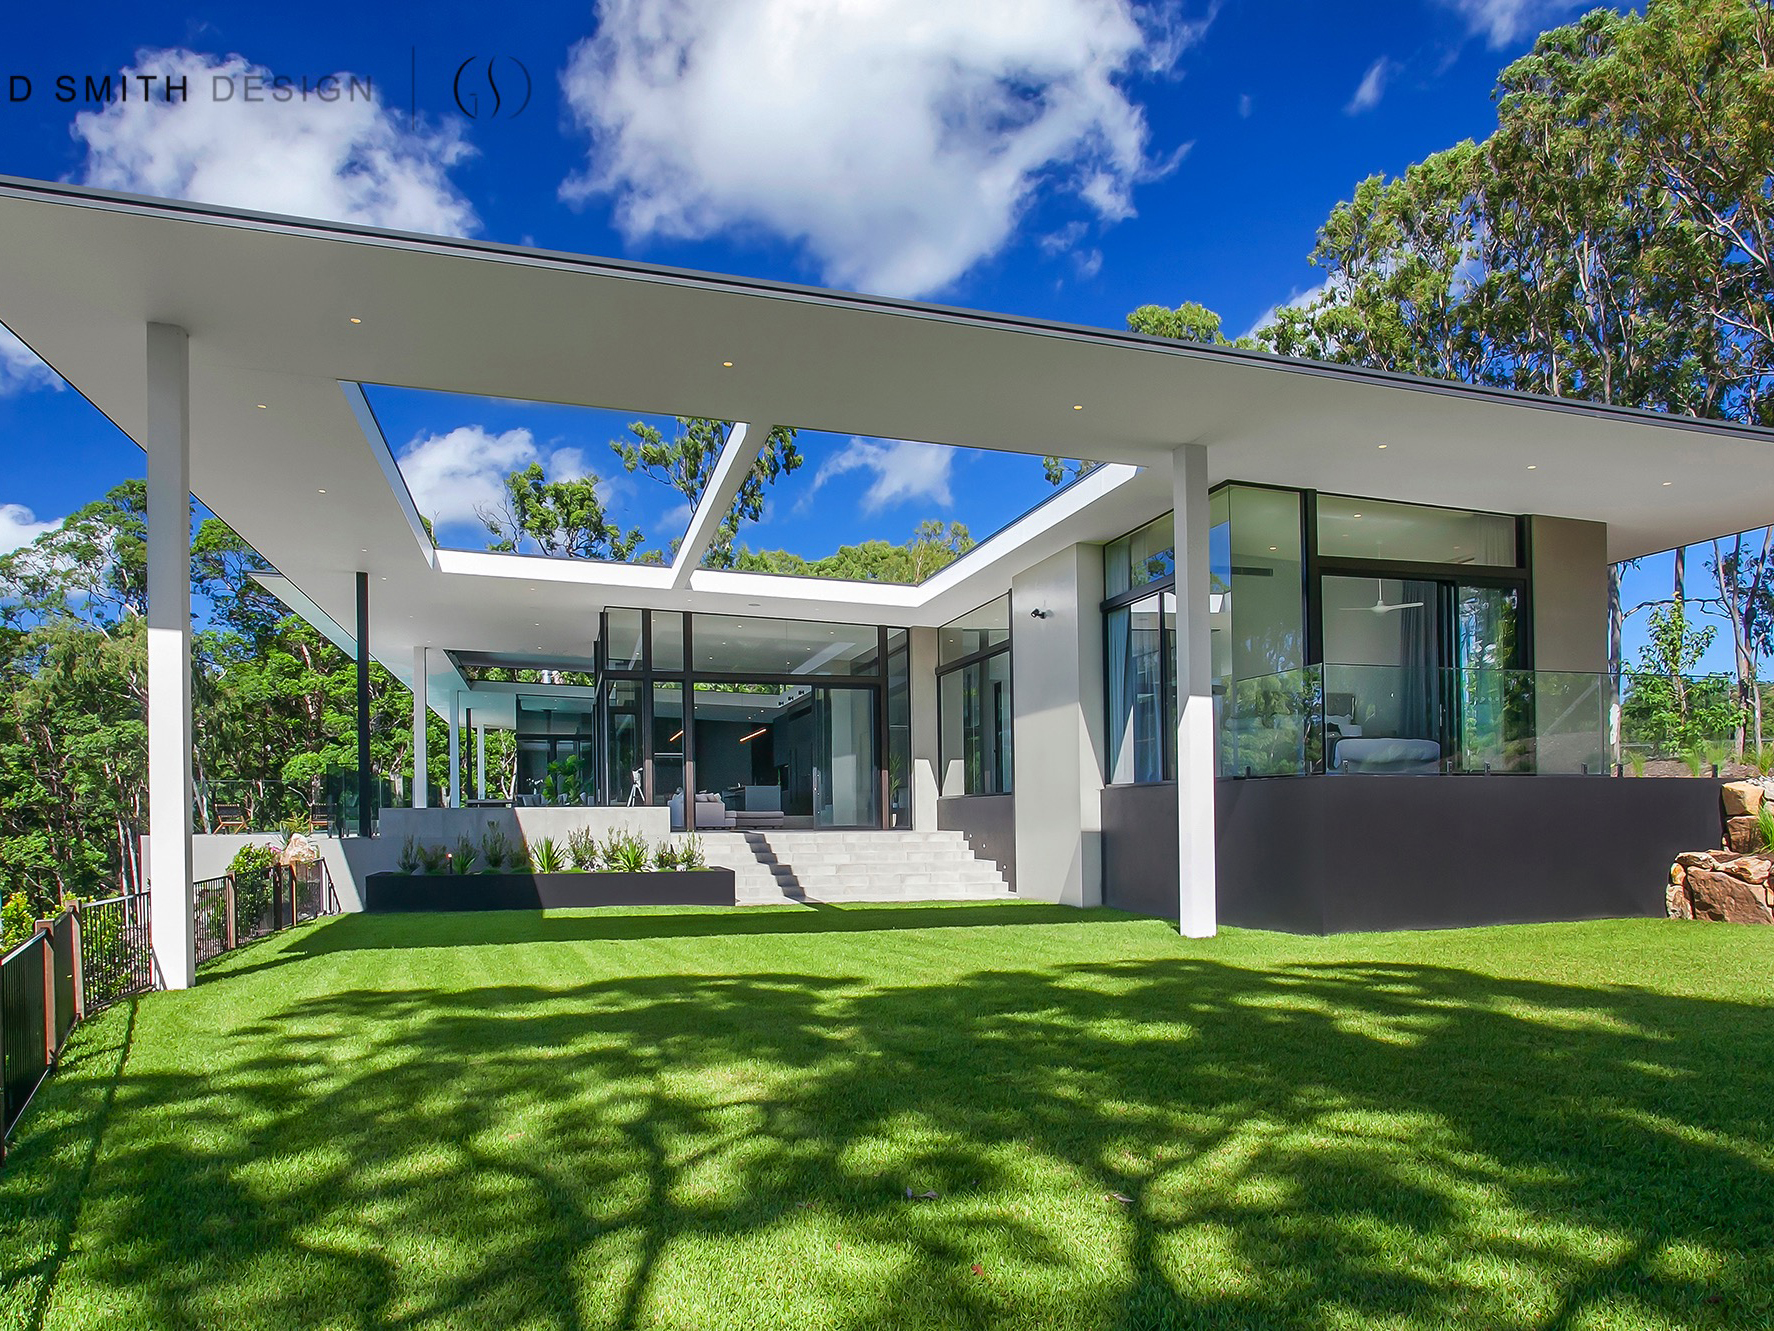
point(1310, 647)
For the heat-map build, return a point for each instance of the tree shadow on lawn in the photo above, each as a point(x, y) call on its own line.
point(361, 932)
point(1310, 1146)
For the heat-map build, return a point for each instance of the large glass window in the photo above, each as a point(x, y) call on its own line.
point(974, 632)
point(740, 645)
point(1140, 558)
point(973, 702)
point(1374, 529)
point(556, 748)
point(1142, 699)
point(899, 728)
point(668, 740)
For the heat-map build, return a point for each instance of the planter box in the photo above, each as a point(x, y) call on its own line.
point(547, 891)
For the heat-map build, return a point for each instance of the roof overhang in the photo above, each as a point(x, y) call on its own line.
point(268, 301)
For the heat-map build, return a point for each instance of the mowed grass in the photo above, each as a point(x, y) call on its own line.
point(711, 1120)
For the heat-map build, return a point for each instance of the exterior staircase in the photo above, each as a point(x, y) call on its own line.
point(771, 868)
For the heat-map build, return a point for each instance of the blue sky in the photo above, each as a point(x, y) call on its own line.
point(1067, 159)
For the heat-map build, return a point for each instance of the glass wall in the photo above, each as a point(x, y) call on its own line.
point(1373, 529)
point(771, 737)
point(557, 747)
point(1139, 627)
point(974, 702)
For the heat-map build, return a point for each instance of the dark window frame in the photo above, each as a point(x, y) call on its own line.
point(961, 663)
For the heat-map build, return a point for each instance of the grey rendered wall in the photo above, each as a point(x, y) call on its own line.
point(989, 824)
point(1569, 569)
point(1057, 715)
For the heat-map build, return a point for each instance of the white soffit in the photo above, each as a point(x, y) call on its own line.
point(268, 303)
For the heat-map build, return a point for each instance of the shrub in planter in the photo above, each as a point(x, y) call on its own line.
point(463, 857)
point(408, 860)
point(545, 857)
point(434, 859)
point(582, 849)
point(665, 855)
point(496, 851)
point(252, 867)
point(691, 855)
point(625, 851)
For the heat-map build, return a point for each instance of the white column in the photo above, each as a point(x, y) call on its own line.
point(480, 759)
point(926, 751)
point(1197, 912)
point(455, 748)
point(168, 442)
point(421, 760)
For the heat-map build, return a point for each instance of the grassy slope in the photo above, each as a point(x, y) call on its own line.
point(707, 1120)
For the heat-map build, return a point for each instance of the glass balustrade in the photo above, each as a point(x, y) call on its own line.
point(1398, 720)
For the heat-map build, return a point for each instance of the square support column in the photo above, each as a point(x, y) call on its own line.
point(366, 779)
point(168, 443)
point(455, 749)
point(480, 758)
point(926, 779)
point(1197, 907)
point(421, 759)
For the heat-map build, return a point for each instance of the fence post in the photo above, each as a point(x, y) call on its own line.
point(295, 899)
point(77, 934)
point(228, 904)
point(45, 931)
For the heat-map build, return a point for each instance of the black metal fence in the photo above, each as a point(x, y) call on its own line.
point(116, 950)
point(237, 908)
point(95, 953)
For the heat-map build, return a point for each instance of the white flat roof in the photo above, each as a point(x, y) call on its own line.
point(267, 302)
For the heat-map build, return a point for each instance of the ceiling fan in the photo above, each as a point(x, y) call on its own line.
point(1380, 607)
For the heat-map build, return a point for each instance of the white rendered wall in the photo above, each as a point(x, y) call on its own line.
point(1057, 711)
point(1197, 907)
point(421, 759)
point(167, 438)
point(926, 780)
point(1569, 569)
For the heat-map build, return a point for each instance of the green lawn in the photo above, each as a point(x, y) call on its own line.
point(711, 1120)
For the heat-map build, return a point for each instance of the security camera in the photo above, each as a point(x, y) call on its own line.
point(1041, 613)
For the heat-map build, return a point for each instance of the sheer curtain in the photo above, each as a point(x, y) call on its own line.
point(1420, 657)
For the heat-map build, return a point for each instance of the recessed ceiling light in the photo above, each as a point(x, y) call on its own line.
point(1533, 466)
point(727, 364)
point(320, 492)
point(1669, 482)
point(1274, 547)
point(1379, 445)
point(260, 405)
point(1077, 406)
point(355, 319)
point(1355, 515)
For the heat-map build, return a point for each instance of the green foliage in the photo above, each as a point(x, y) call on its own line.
point(665, 855)
point(463, 857)
point(582, 849)
point(1662, 706)
point(545, 857)
point(1765, 827)
point(408, 860)
point(691, 854)
point(496, 850)
point(933, 545)
point(557, 518)
point(17, 920)
point(625, 851)
point(434, 858)
point(254, 869)
point(686, 462)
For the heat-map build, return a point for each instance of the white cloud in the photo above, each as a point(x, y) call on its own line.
point(454, 476)
point(1301, 299)
point(1503, 22)
point(344, 160)
point(1245, 106)
point(904, 471)
point(20, 368)
point(19, 527)
point(1372, 88)
point(898, 142)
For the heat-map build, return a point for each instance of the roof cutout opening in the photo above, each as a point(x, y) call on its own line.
point(886, 510)
point(544, 478)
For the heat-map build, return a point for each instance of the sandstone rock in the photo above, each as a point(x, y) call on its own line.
point(1677, 875)
point(1676, 899)
point(1749, 869)
point(1743, 834)
point(1694, 859)
point(1742, 798)
point(1719, 896)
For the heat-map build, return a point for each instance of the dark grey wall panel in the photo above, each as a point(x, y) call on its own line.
point(1333, 854)
point(989, 823)
point(1339, 853)
point(1140, 849)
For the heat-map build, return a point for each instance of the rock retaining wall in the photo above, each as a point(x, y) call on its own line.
point(1733, 884)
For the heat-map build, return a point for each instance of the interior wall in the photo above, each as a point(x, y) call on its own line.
point(1057, 721)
